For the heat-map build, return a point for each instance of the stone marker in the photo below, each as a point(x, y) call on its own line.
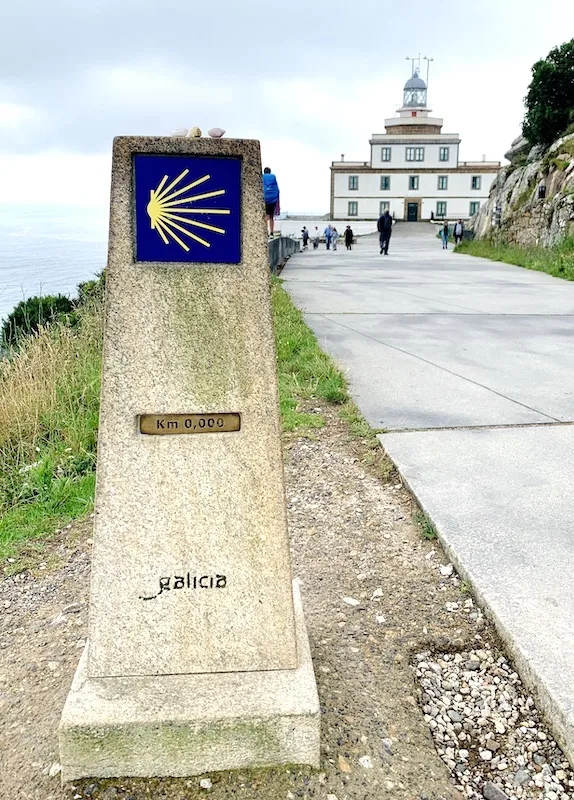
point(197, 657)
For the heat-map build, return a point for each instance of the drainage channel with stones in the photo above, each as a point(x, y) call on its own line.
point(485, 725)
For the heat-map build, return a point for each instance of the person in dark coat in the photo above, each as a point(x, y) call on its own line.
point(349, 237)
point(458, 232)
point(385, 229)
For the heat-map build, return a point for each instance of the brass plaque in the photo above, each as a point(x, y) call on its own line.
point(170, 424)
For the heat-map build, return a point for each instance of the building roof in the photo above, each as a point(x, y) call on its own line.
point(415, 82)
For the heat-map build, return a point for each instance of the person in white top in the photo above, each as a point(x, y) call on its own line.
point(316, 238)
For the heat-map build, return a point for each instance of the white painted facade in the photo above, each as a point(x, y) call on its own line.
point(414, 170)
point(399, 144)
point(458, 193)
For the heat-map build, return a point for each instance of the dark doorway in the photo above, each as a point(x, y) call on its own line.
point(412, 212)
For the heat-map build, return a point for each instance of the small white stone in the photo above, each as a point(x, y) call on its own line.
point(446, 570)
point(178, 132)
point(486, 755)
point(205, 783)
point(380, 619)
point(377, 593)
point(216, 133)
point(350, 601)
point(55, 769)
point(365, 761)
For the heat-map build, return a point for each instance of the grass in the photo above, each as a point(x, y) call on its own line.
point(358, 425)
point(557, 261)
point(568, 146)
point(305, 372)
point(425, 526)
point(49, 403)
point(524, 195)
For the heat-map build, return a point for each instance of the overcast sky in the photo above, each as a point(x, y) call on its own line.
point(310, 78)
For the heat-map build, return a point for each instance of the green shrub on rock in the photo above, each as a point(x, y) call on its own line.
point(31, 314)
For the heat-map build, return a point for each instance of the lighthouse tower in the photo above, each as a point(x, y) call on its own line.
point(413, 118)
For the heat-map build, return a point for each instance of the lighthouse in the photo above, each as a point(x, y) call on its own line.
point(414, 169)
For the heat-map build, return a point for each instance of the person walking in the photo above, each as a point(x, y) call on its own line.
point(271, 198)
point(444, 236)
point(305, 237)
point(349, 237)
point(316, 238)
point(385, 229)
point(334, 238)
point(458, 232)
point(328, 235)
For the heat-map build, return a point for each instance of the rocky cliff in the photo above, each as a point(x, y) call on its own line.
point(532, 200)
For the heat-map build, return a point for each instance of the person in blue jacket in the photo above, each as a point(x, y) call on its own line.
point(271, 198)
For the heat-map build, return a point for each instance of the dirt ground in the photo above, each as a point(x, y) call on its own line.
point(373, 596)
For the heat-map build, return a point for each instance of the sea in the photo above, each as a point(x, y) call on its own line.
point(49, 250)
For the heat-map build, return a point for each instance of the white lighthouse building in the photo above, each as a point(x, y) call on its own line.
point(413, 171)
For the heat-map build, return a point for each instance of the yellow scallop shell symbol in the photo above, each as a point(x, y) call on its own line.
point(171, 210)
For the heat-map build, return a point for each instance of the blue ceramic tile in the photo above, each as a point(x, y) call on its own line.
point(187, 209)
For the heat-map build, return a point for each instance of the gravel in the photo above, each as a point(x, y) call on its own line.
point(486, 728)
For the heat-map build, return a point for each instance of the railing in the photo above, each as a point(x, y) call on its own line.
point(280, 249)
point(306, 216)
point(350, 163)
point(479, 163)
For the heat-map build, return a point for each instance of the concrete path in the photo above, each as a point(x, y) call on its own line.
point(468, 366)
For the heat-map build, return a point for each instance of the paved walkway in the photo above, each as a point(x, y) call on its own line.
point(468, 366)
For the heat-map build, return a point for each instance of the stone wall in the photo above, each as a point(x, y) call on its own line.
point(516, 212)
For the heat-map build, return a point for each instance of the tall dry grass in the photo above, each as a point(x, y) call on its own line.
point(49, 402)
